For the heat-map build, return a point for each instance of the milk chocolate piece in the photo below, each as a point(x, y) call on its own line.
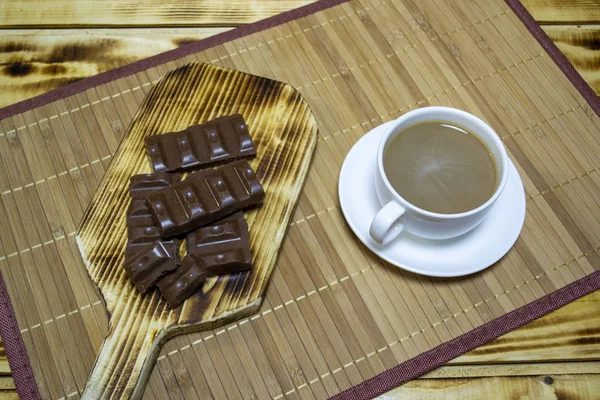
point(141, 230)
point(182, 283)
point(222, 139)
point(149, 264)
point(204, 197)
point(222, 247)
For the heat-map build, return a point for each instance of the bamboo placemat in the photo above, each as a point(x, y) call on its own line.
point(334, 315)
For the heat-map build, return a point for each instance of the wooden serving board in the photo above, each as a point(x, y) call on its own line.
point(284, 132)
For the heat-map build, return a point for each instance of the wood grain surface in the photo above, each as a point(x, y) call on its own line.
point(34, 61)
point(534, 349)
point(581, 45)
point(81, 13)
point(563, 11)
point(584, 386)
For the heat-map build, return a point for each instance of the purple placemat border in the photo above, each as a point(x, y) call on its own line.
point(13, 341)
point(557, 56)
point(14, 346)
point(479, 336)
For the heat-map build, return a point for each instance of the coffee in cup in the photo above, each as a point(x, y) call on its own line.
point(440, 167)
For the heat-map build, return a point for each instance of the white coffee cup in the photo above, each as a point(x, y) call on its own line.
point(397, 214)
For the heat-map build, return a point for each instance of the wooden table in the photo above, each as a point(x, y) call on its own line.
point(46, 45)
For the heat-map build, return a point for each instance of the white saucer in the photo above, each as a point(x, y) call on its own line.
point(466, 254)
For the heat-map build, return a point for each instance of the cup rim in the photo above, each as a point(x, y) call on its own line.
point(482, 126)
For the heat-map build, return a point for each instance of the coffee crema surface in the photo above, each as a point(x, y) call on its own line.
point(440, 167)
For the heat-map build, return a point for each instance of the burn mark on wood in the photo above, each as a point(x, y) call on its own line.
point(54, 69)
point(503, 348)
point(183, 41)
point(585, 340)
point(18, 68)
point(264, 90)
point(592, 43)
point(94, 50)
point(13, 47)
point(584, 39)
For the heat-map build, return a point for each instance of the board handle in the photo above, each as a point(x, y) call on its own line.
point(127, 354)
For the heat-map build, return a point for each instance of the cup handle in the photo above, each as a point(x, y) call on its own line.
point(385, 227)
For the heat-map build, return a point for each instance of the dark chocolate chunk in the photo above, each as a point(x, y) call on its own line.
point(141, 230)
point(131, 250)
point(146, 183)
point(149, 264)
point(182, 283)
point(222, 247)
point(204, 197)
point(222, 139)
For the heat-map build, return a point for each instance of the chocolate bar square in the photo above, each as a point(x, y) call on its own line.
point(222, 247)
point(204, 197)
point(222, 139)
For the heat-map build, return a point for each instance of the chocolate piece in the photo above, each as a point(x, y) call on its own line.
point(182, 283)
point(149, 264)
point(222, 139)
point(222, 247)
point(141, 230)
point(204, 197)
point(151, 182)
